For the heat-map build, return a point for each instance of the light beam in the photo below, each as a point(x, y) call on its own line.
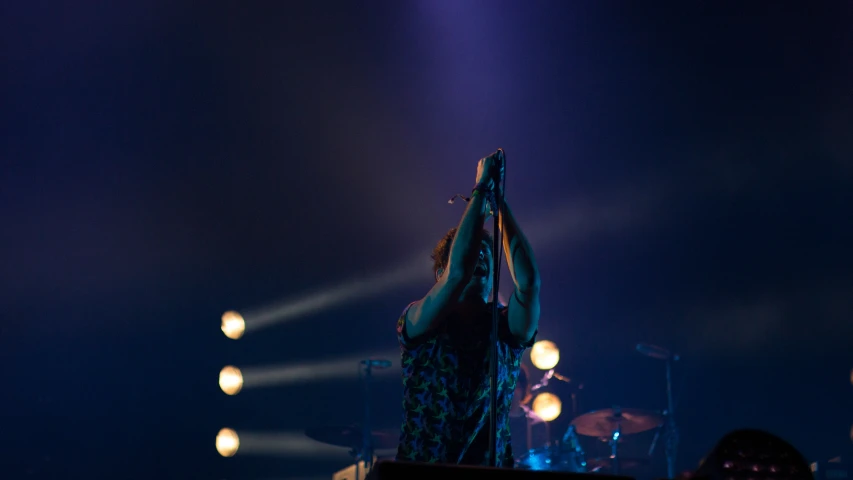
point(293, 444)
point(567, 225)
point(304, 372)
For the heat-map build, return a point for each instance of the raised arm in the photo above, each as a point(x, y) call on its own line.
point(523, 306)
point(464, 253)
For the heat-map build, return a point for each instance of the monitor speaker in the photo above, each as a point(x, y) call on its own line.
point(391, 470)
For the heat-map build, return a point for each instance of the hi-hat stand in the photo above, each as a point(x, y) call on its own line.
point(669, 427)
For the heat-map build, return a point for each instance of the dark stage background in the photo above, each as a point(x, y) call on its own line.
point(683, 171)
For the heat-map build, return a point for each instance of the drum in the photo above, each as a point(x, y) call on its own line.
point(556, 458)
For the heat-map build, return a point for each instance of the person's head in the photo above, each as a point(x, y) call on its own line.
point(480, 285)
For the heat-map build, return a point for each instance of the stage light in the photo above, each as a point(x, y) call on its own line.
point(851, 376)
point(851, 433)
point(233, 325)
point(231, 380)
point(227, 442)
point(545, 355)
point(547, 406)
point(754, 454)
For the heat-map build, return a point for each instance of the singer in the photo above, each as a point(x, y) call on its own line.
point(444, 337)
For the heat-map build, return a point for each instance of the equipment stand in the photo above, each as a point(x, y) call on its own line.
point(366, 454)
point(614, 449)
point(493, 350)
point(671, 429)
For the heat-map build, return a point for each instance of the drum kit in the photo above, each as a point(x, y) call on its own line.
point(610, 425)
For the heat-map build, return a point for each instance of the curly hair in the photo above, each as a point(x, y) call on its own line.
point(441, 253)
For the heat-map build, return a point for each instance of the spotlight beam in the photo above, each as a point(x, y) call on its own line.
point(303, 372)
point(414, 270)
point(293, 444)
point(573, 222)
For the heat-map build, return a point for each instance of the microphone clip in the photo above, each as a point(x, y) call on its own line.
point(458, 195)
point(468, 200)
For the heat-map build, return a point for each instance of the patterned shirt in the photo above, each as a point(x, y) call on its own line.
point(446, 390)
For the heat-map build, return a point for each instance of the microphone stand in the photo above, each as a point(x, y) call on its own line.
point(493, 350)
point(496, 203)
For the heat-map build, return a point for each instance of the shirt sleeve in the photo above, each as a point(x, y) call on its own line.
point(402, 336)
point(506, 335)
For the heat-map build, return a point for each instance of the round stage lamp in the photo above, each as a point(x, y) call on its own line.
point(547, 406)
point(233, 325)
point(231, 380)
point(545, 355)
point(227, 442)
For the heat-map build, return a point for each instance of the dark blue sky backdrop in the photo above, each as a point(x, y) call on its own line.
point(684, 169)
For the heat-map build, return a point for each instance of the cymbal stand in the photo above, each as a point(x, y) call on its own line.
point(671, 435)
point(614, 448)
point(574, 405)
point(570, 440)
point(366, 453)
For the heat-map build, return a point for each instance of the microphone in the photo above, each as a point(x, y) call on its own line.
point(500, 162)
point(656, 352)
point(376, 363)
point(500, 174)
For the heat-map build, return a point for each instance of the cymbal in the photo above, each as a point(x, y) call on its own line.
point(602, 423)
point(351, 436)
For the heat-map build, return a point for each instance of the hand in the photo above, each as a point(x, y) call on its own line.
point(487, 169)
point(499, 175)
